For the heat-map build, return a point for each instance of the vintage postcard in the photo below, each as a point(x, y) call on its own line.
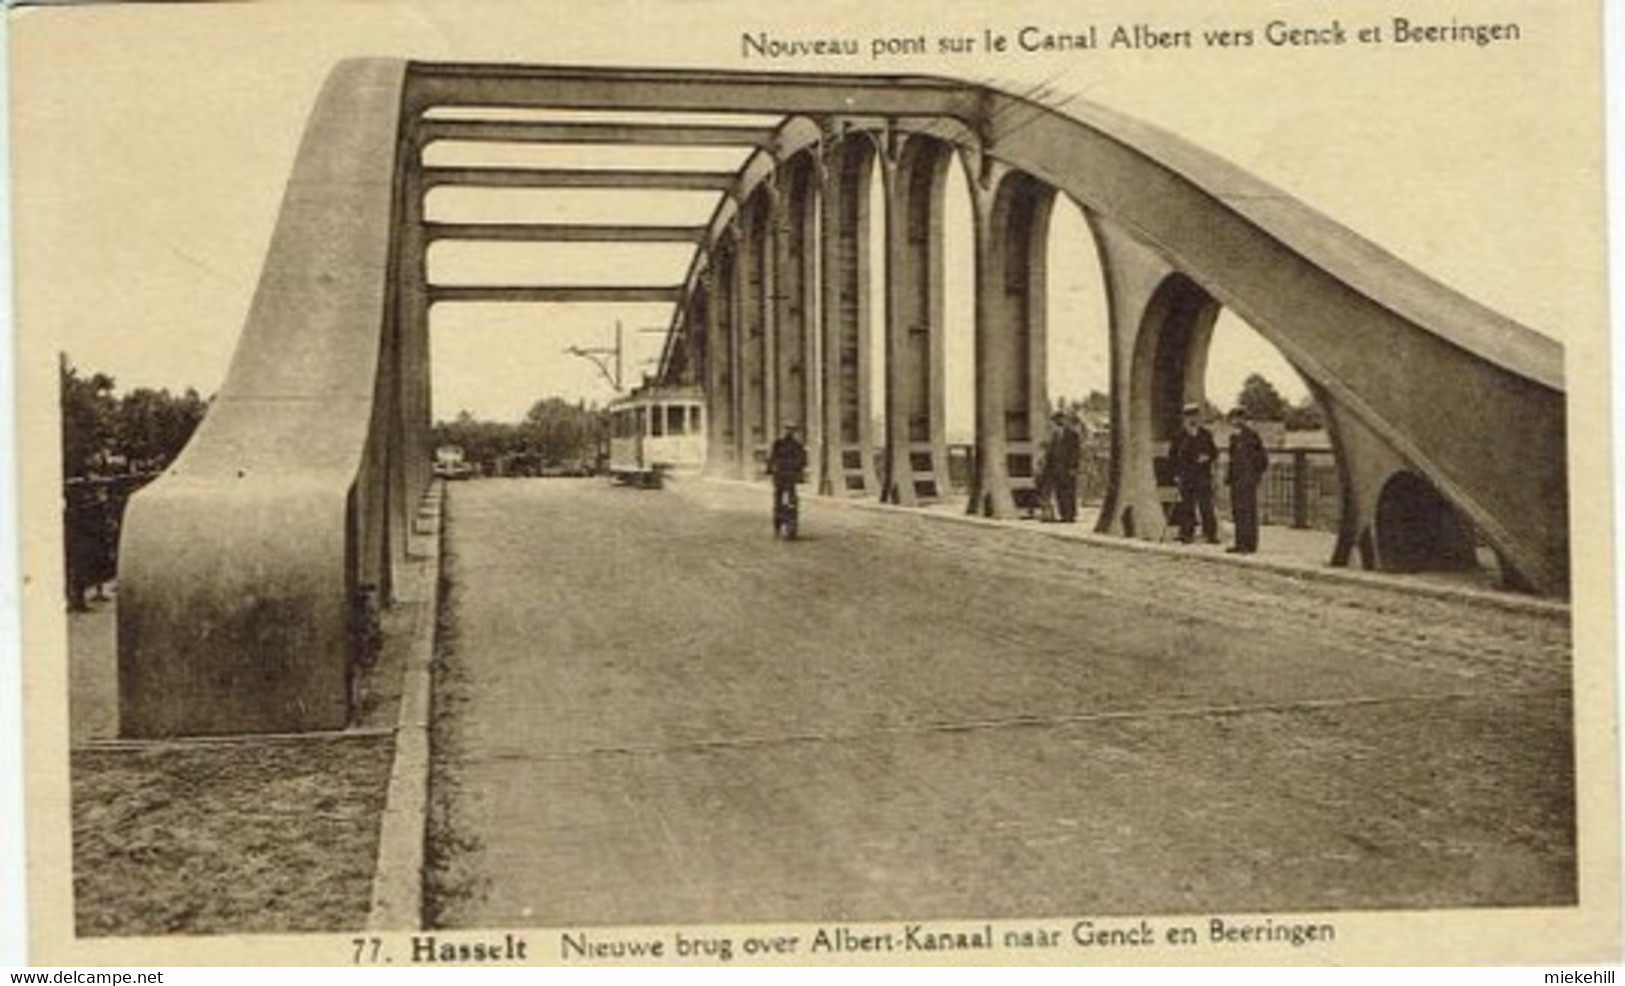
point(705, 482)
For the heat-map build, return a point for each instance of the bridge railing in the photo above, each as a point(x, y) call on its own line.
point(1300, 488)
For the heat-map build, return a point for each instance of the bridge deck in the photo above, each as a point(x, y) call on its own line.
point(654, 712)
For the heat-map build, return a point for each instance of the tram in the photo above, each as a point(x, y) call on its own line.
point(656, 432)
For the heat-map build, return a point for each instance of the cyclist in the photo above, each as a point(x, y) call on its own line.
point(786, 461)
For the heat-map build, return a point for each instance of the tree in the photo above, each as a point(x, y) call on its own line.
point(146, 428)
point(482, 442)
point(560, 432)
point(89, 413)
point(1260, 400)
point(152, 426)
point(554, 433)
point(1305, 416)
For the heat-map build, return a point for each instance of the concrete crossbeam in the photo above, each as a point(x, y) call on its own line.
point(529, 132)
point(700, 181)
point(679, 91)
point(574, 294)
point(562, 233)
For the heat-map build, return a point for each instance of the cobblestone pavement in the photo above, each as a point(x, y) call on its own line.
point(650, 711)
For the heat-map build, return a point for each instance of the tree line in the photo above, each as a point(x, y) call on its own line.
point(1258, 398)
point(143, 430)
point(112, 444)
point(105, 433)
point(1262, 402)
point(554, 435)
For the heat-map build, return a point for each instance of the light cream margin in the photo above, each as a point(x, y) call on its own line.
point(71, 65)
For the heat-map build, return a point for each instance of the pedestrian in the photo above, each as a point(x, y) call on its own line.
point(1044, 470)
point(106, 519)
point(1242, 474)
point(1192, 454)
point(81, 519)
point(1066, 454)
point(786, 461)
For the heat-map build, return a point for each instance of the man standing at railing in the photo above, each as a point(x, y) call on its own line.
point(1065, 452)
point(1192, 454)
point(1248, 460)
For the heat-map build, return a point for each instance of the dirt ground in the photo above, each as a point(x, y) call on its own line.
point(217, 838)
point(224, 835)
point(655, 712)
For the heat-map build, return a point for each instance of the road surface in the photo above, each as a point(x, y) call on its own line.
point(651, 711)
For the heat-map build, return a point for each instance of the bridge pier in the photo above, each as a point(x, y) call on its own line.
point(990, 484)
point(849, 453)
point(795, 302)
point(916, 465)
point(721, 356)
point(1161, 326)
point(1010, 213)
point(1020, 239)
point(754, 277)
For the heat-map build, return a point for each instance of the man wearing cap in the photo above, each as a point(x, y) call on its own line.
point(1242, 474)
point(786, 461)
point(1192, 454)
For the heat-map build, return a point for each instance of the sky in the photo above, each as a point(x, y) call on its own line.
point(153, 142)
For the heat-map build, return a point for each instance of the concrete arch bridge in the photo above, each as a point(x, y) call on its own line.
point(242, 566)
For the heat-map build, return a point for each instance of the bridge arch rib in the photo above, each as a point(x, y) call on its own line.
point(243, 563)
point(240, 565)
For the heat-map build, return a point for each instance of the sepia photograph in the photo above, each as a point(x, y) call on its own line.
point(703, 483)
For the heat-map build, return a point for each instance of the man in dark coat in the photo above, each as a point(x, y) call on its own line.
point(786, 461)
point(1066, 452)
point(1245, 471)
point(1192, 454)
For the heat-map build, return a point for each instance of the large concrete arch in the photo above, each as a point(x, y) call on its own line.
point(240, 567)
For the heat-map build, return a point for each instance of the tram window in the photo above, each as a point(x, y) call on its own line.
point(694, 427)
point(657, 421)
point(674, 419)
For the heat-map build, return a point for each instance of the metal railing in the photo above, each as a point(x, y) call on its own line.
point(1300, 489)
